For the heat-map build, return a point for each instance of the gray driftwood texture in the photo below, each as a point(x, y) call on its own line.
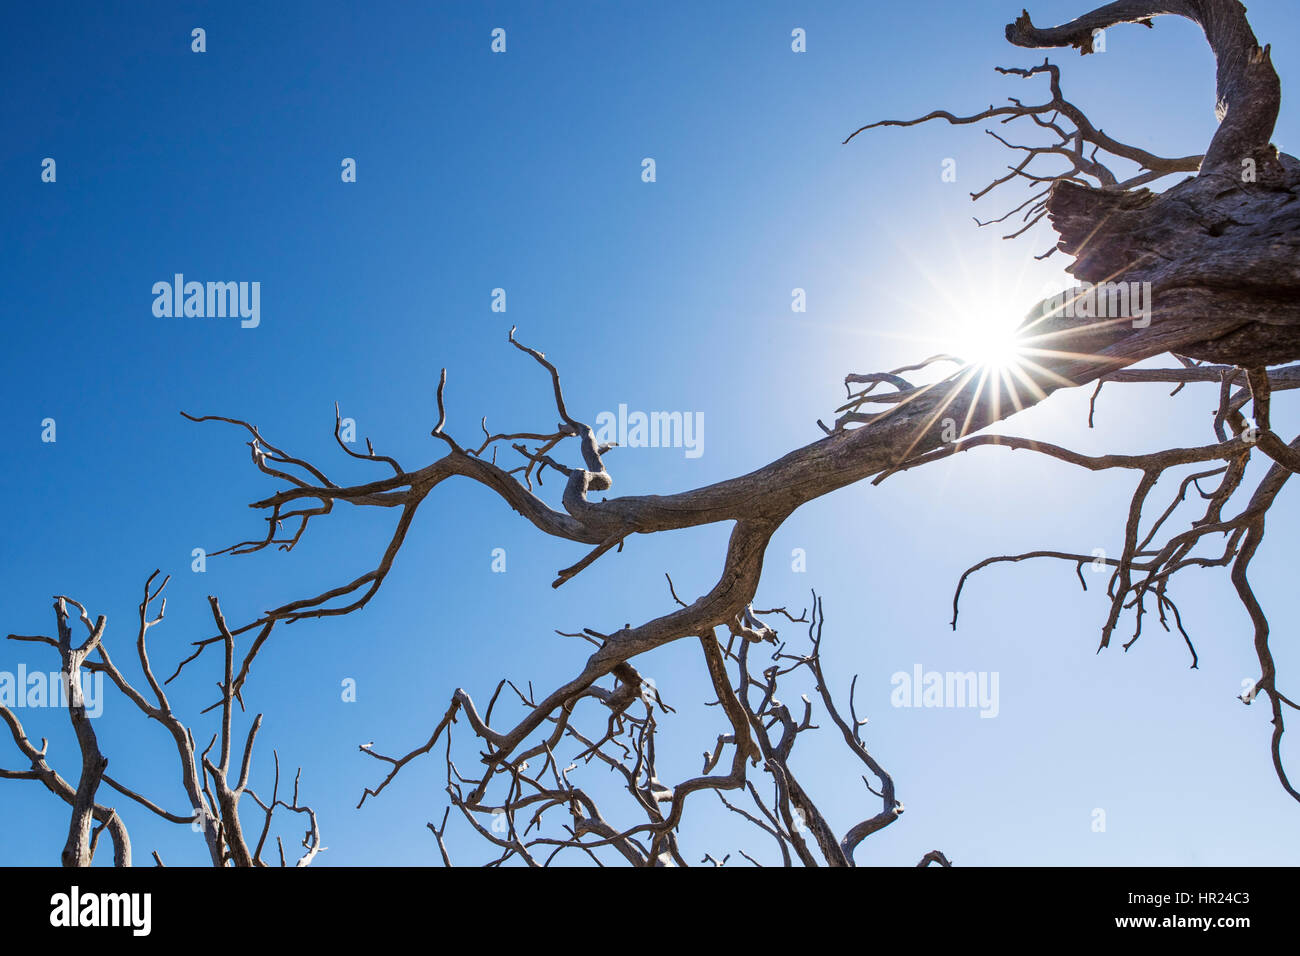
point(1219, 249)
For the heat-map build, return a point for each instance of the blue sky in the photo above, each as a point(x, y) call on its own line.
point(522, 171)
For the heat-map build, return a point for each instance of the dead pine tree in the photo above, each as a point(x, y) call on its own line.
point(213, 787)
point(1219, 254)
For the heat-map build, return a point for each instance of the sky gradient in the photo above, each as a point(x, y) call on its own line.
point(523, 171)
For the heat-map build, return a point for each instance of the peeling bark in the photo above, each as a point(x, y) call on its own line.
point(1219, 251)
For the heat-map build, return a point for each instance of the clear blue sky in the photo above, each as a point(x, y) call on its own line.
point(523, 171)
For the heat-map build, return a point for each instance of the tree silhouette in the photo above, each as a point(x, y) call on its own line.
point(1215, 256)
point(1217, 253)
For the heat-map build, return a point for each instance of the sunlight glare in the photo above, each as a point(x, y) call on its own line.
point(987, 337)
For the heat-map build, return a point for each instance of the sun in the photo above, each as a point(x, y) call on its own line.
point(967, 306)
point(986, 338)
